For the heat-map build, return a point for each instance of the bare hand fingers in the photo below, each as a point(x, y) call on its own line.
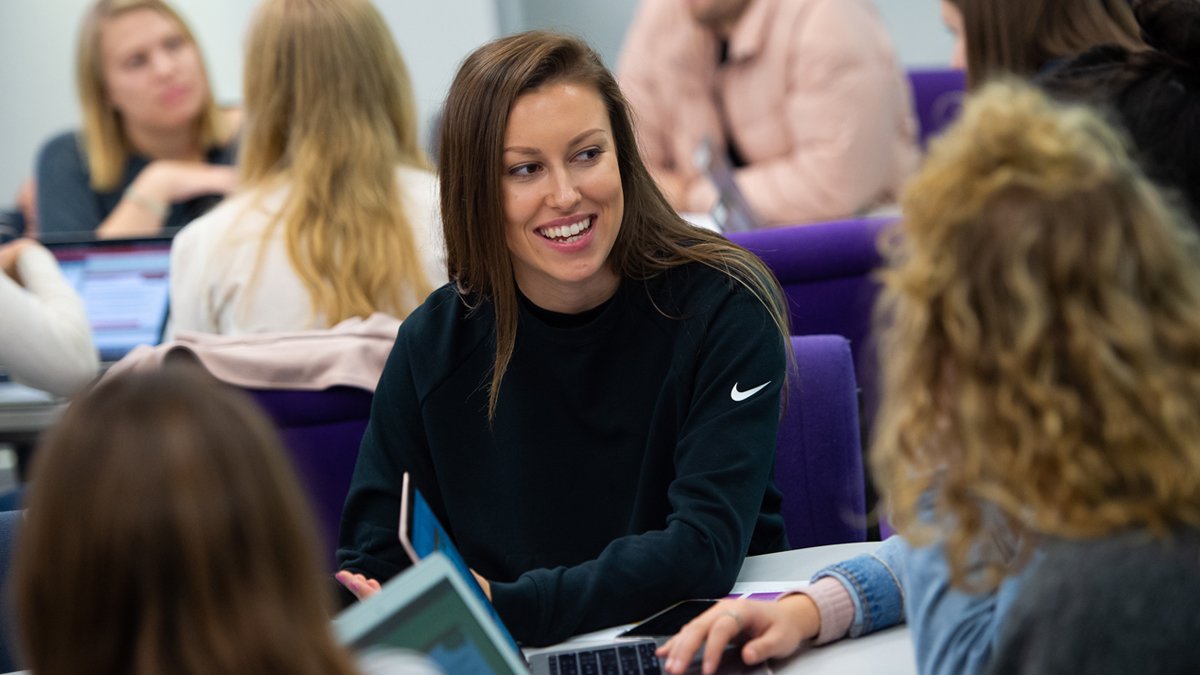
point(727, 626)
point(778, 641)
point(681, 649)
point(360, 586)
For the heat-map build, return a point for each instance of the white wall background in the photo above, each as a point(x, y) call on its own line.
point(37, 46)
point(915, 25)
point(37, 40)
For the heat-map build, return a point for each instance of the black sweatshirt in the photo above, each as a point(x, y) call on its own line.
point(628, 467)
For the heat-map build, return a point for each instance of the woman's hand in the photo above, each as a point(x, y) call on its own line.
point(172, 181)
point(363, 588)
point(162, 183)
point(774, 629)
point(483, 583)
point(360, 586)
point(10, 253)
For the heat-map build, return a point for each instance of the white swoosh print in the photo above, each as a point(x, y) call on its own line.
point(743, 395)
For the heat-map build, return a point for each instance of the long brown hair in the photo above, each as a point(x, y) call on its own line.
point(104, 140)
point(652, 239)
point(1043, 352)
point(329, 109)
point(1019, 37)
point(166, 533)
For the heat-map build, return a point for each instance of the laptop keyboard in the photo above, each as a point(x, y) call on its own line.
point(636, 659)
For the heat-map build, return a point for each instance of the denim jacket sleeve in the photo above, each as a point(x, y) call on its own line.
point(874, 582)
point(953, 631)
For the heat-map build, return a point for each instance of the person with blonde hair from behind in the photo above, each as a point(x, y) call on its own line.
point(166, 533)
point(1039, 441)
point(154, 149)
point(337, 215)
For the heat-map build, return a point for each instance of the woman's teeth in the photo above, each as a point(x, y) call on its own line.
point(566, 232)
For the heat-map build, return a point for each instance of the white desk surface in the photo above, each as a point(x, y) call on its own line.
point(887, 652)
point(27, 410)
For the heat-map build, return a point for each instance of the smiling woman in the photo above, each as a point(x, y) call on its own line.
point(562, 197)
point(154, 148)
point(607, 471)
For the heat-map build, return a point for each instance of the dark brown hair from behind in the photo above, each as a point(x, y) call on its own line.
point(1154, 94)
point(1020, 37)
point(166, 532)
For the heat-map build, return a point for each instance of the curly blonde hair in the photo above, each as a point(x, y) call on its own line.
point(1043, 349)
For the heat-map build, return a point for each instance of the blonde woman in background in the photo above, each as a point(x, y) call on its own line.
point(154, 149)
point(337, 215)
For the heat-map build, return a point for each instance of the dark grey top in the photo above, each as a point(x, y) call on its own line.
point(67, 203)
point(1127, 604)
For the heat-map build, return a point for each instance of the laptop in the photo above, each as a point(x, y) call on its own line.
point(125, 286)
point(421, 599)
point(731, 213)
point(430, 609)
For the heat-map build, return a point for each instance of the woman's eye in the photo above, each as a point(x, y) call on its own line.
point(589, 154)
point(522, 170)
point(174, 43)
point(135, 61)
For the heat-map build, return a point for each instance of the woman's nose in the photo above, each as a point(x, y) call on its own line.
point(564, 194)
point(162, 63)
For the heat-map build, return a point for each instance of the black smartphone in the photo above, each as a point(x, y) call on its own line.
point(668, 622)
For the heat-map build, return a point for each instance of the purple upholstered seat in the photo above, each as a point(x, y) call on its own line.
point(316, 385)
point(818, 455)
point(937, 98)
point(826, 271)
point(322, 431)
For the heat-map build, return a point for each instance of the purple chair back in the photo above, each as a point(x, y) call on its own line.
point(827, 274)
point(322, 431)
point(818, 454)
point(937, 99)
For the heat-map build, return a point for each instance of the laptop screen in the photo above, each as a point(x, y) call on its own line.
point(438, 624)
point(125, 287)
point(429, 609)
point(422, 535)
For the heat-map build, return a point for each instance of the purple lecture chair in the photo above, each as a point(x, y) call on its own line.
point(315, 385)
point(321, 431)
point(818, 455)
point(826, 271)
point(937, 98)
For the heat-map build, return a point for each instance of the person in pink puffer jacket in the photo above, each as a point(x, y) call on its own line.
point(806, 95)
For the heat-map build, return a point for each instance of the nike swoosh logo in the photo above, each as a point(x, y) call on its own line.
point(743, 395)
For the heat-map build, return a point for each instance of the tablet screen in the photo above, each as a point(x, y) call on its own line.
point(421, 534)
